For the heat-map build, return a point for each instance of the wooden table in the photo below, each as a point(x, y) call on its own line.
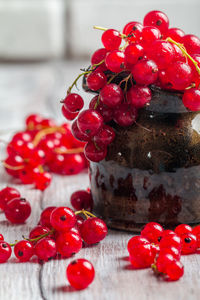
point(37, 88)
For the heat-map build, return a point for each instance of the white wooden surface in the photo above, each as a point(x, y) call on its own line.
point(24, 89)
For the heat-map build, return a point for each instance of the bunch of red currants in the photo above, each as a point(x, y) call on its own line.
point(43, 147)
point(121, 75)
point(162, 249)
point(60, 233)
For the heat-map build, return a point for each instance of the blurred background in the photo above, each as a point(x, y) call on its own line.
point(44, 43)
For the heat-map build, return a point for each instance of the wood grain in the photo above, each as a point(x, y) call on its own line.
point(38, 88)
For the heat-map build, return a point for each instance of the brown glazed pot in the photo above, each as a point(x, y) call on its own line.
point(152, 169)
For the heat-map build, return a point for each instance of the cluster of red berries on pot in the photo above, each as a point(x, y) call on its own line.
point(43, 147)
point(122, 73)
point(16, 209)
point(162, 249)
point(60, 233)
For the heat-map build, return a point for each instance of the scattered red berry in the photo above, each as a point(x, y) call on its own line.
point(17, 210)
point(93, 230)
point(24, 250)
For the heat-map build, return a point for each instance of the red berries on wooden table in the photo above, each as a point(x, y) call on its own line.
point(123, 72)
point(45, 147)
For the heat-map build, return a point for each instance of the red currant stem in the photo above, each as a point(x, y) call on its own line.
point(97, 102)
point(126, 79)
point(113, 77)
point(45, 132)
point(181, 46)
point(104, 29)
point(69, 151)
point(97, 147)
point(85, 212)
point(191, 86)
point(15, 168)
point(35, 239)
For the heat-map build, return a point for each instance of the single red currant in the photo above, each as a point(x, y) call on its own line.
point(179, 75)
point(134, 241)
point(149, 35)
point(62, 218)
point(191, 43)
point(95, 153)
point(42, 180)
point(115, 61)
point(96, 80)
point(163, 261)
point(133, 53)
point(81, 200)
point(5, 251)
point(78, 134)
point(142, 256)
point(93, 230)
point(171, 240)
point(6, 195)
point(111, 95)
point(32, 121)
point(68, 243)
point(162, 53)
point(105, 136)
point(80, 273)
point(138, 96)
point(111, 39)
point(158, 19)
point(189, 243)
point(17, 210)
point(182, 229)
point(152, 232)
point(45, 249)
point(124, 115)
point(191, 99)
point(73, 102)
point(89, 122)
point(133, 31)
point(175, 34)
point(98, 57)
point(175, 270)
point(145, 72)
point(24, 250)
point(67, 114)
point(45, 216)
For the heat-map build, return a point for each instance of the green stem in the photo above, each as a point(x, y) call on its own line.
point(35, 239)
point(85, 212)
point(105, 29)
point(75, 81)
point(181, 46)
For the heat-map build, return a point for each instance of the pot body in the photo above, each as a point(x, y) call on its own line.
point(152, 169)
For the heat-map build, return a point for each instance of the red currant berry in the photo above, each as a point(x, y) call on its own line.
point(142, 256)
point(93, 230)
point(6, 195)
point(14, 161)
point(191, 99)
point(73, 103)
point(89, 122)
point(111, 95)
point(191, 43)
point(97, 57)
point(145, 72)
point(5, 251)
point(163, 261)
point(32, 121)
point(38, 231)
point(182, 229)
point(45, 216)
point(111, 39)
point(189, 243)
point(42, 180)
point(82, 200)
point(68, 243)
point(171, 240)
point(152, 232)
point(134, 241)
point(62, 218)
point(73, 164)
point(133, 53)
point(175, 34)
point(133, 31)
point(94, 153)
point(162, 53)
point(78, 134)
point(45, 249)
point(124, 115)
point(105, 136)
point(175, 270)
point(157, 19)
point(24, 250)
point(96, 80)
point(105, 111)
point(115, 61)
point(138, 96)
point(17, 210)
point(80, 273)
point(172, 251)
point(67, 114)
point(149, 35)
point(179, 75)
